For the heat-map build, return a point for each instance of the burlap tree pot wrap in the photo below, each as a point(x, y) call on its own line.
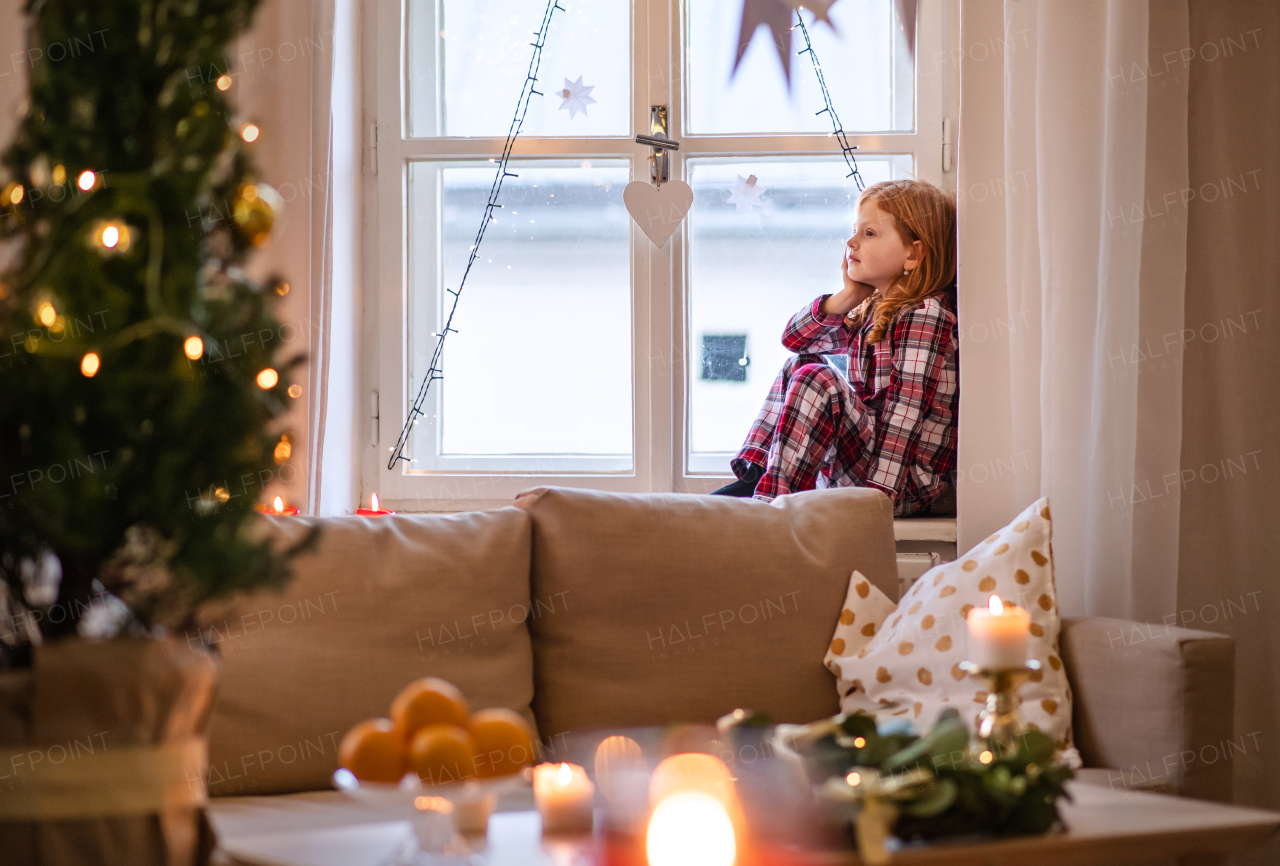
point(104, 755)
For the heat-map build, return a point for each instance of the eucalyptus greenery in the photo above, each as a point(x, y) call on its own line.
point(939, 784)
point(133, 483)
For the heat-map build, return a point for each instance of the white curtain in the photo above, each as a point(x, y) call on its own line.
point(1093, 264)
point(296, 75)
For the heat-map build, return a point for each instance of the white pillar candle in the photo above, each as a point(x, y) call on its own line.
point(564, 796)
point(998, 635)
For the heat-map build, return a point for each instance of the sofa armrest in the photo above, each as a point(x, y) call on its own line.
point(1154, 703)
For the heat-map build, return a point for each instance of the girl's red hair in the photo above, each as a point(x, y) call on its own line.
point(920, 212)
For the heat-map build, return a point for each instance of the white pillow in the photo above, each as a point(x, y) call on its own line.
point(902, 662)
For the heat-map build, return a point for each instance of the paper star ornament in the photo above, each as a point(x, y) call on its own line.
point(778, 16)
point(745, 194)
point(575, 97)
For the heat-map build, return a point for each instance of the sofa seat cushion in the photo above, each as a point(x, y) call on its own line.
point(379, 602)
point(680, 608)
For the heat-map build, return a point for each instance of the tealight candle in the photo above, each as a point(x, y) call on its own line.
point(564, 796)
point(998, 635)
point(374, 510)
point(277, 508)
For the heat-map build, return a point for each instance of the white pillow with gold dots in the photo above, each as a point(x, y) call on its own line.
point(903, 661)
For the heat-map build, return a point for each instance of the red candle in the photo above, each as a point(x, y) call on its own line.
point(277, 508)
point(373, 510)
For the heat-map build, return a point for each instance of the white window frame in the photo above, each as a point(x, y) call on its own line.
point(662, 363)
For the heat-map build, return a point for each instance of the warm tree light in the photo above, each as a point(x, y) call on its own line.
point(295, 391)
point(46, 314)
point(111, 236)
point(268, 378)
point(224, 82)
point(282, 289)
point(15, 193)
point(89, 364)
point(249, 132)
point(690, 829)
point(86, 180)
point(283, 449)
point(193, 347)
point(59, 174)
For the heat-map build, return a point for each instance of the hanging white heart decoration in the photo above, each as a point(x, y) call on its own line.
point(658, 211)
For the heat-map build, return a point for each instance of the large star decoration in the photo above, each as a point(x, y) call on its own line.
point(745, 194)
point(777, 15)
point(575, 97)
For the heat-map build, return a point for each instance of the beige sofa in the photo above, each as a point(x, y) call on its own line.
point(584, 609)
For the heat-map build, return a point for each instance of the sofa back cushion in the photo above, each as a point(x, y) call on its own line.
point(378, 603)
point(677, 608)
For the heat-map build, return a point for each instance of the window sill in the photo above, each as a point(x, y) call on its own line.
point(925, 529)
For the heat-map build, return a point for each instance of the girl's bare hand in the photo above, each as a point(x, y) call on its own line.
point(853, 293)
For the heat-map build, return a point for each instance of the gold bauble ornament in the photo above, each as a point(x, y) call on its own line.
point(256, 211)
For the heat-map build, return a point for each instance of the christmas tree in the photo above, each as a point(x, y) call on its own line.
point(138, 414)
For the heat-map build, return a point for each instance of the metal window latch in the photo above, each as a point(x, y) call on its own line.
point(660, 160)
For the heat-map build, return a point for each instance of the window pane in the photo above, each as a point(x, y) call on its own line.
point(865, 60)
point(750, 269)
point(468, 59)
point(541, 361)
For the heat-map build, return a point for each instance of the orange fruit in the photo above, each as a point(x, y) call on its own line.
point(374, 751)
point(440, 754)
point(504, 742)
point(429, 701)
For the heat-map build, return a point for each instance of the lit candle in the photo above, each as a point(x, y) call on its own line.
point(278, 508)
point(998, 635)
point(564, 796)
point(690, 829)
point(374, 509)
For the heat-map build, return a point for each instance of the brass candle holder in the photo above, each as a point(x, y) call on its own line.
point(1000, 723)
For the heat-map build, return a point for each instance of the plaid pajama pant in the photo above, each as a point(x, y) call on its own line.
point(813, 431)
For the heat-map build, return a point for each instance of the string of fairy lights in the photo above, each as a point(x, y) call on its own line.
point(846, 149)
point(435, 371)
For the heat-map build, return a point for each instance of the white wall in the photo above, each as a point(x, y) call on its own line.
point(986, 461)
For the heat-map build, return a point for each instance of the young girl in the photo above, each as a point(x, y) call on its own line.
point(892, 425)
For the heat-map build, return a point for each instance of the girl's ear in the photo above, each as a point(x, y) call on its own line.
point(915, 253)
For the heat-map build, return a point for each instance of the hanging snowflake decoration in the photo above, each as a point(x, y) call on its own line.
point(745, 194)
point(576, 97)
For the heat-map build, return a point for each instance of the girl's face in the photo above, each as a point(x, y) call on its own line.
point(876, 253)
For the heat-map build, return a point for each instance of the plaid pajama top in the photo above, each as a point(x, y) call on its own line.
point(909, 384)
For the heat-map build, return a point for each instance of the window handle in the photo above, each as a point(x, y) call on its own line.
point(660, 160)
